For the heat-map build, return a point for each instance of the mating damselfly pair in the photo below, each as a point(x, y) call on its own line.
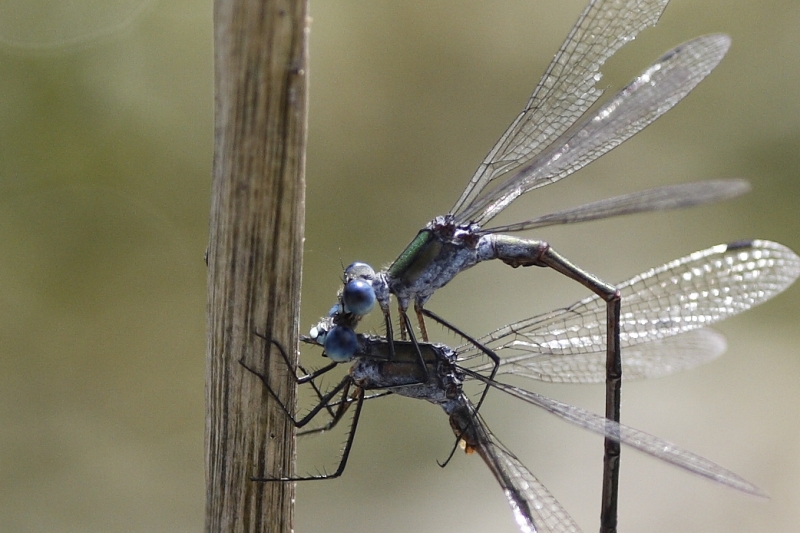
point(659, 318)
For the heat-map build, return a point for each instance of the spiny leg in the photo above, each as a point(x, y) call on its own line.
point(420, 359)
point(405, 326)
point(336, 417)
point(387, 317)
point(345, 453)
point(402, 313)
point(308, 377)
point(322, 404)
point(421, 320)
point(343, 405)
point(405, 329)
point(300, 380)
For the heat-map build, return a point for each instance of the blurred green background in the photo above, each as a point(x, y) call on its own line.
point(105, 159)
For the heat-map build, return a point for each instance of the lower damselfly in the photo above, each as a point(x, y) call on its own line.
point(663, 329)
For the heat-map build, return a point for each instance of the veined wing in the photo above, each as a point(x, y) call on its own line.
point(646, 98)
point(535, 509)
point(679, 196)
point(650, 360)
point(567, 88)
point(686, 294)
point(649, 444)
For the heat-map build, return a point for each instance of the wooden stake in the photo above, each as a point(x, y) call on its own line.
point(254, 258)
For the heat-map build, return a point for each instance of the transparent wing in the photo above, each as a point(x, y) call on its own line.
point(686, 294)
point(641, 361)
point(678, 196)
point(535, 509)
point(645, 99)
point(649, 444)
point(567, 88)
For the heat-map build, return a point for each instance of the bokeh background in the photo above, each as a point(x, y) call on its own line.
point(105, 160)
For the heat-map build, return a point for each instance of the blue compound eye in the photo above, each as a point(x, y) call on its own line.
point(340, 344)
point(359, 270)
point(358, 297)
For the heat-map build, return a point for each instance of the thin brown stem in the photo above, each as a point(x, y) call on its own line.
point(254, 259)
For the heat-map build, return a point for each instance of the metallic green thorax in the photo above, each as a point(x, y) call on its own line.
point(417, 256)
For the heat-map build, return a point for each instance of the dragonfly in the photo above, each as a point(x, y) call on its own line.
point(664, 328)
point(559, 131)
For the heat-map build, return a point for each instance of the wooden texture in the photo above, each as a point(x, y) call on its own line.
point(254, 258)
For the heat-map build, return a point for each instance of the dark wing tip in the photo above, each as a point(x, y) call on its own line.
point(738, 245)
